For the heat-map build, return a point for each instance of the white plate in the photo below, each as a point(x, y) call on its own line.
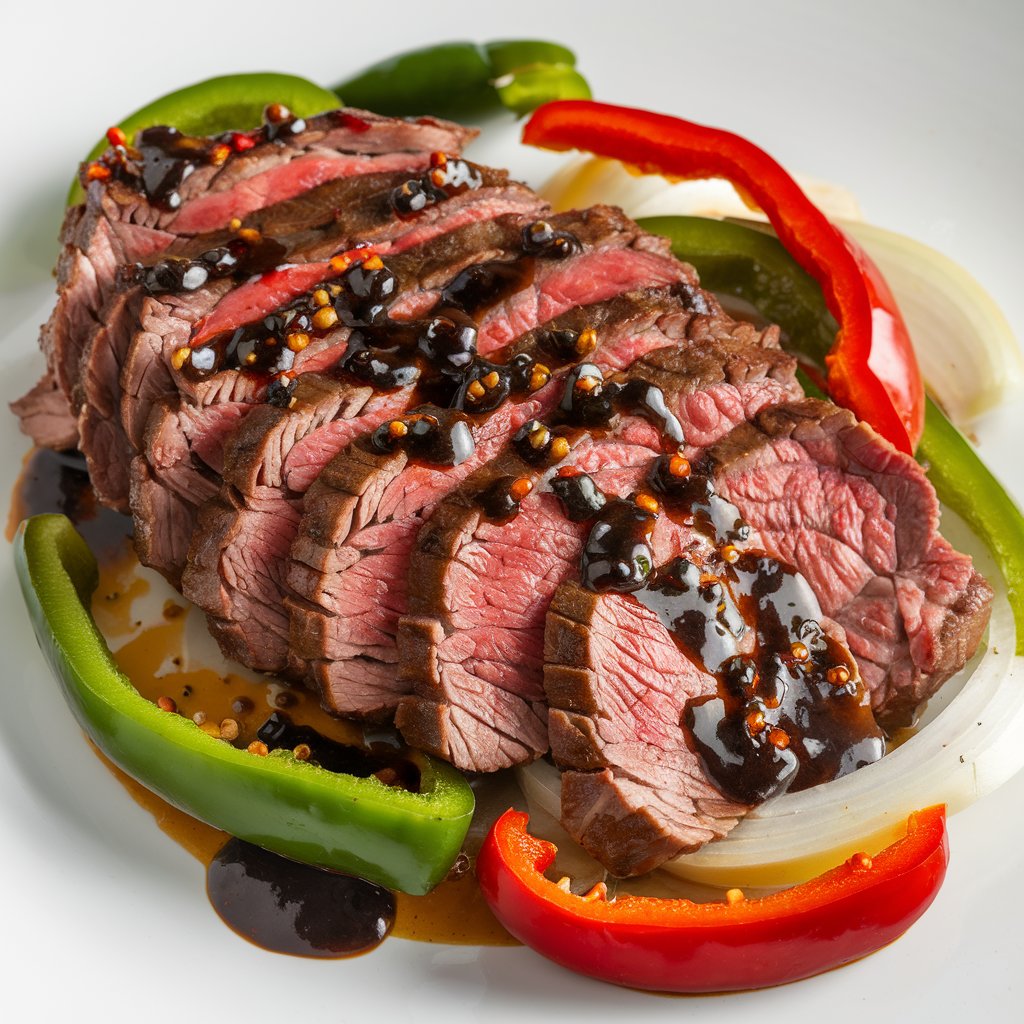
point(916, 107)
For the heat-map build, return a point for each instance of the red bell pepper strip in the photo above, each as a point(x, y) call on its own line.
point(674, 945)
point(871, 368)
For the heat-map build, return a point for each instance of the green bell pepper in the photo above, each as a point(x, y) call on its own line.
point(749, 263)
point(360, 826)
point(464, 79)
point(218, 105)
point(964, 483)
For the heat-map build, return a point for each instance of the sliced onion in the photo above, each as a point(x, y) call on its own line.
point(968, 354)
point(969, 357)
point(587, 180)
point(968, 743)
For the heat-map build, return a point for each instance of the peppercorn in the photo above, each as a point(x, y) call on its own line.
point(559, 449)
point(648, 503)
point(325, 318)
point(679, 466)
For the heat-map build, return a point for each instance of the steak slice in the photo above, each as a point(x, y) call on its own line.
point(860, 521)
point(461, 663)
point(633, 793)
point(43, 415)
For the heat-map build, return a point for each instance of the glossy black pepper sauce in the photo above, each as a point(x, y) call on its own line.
point(533, 442)
point(581, 498)
point(438, 436)
point(617, 553)
point(591, 401)
point(789, 711)
point(163, 158)
point(499, 500)
point(447, 177)
point(388, 762)
point(239, 258)
point(287, 907)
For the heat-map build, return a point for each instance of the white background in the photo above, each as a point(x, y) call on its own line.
point(917, 107)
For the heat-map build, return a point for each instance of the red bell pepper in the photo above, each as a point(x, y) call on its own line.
point(674, 945)
point(871, 368)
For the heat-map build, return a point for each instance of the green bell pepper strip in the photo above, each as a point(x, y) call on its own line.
point(754, 266)
point(964, 483)
point(464, 80)
point(219, 105)
point(358, 826)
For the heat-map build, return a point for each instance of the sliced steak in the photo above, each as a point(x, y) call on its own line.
point(237, 562)
point(452, 654)
point(124, 369)
point(363, 512)
point(339, 565)
point(263, 447)
point(119, 224)
point(860, 521)
point(471, 647)
point(190, 434)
